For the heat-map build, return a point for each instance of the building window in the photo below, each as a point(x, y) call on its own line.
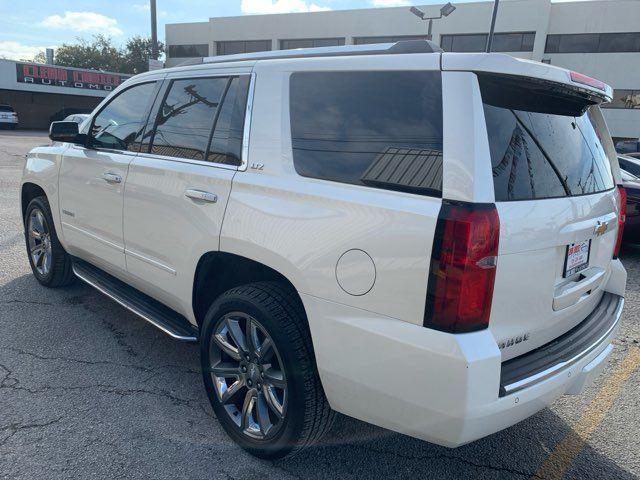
point(392, 39)
point(310, 43)
point(629, 99)
point(593, 43)
point(243, 46)
point(476, 42)
point(187, 51)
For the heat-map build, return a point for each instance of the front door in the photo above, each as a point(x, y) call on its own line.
point(177, 191)
point(92, 179)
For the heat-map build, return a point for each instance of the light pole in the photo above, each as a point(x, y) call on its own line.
point(445, 11)
point(154, 31)
point(493, 26)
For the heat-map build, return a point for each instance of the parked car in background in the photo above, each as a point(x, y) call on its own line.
point(422, 240)
point(8, 117)
point(77, 118)
point(629, 164)
point(66, 111)
point(628, 146)
point(630, 170)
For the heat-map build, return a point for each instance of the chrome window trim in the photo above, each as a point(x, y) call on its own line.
point(193, 161)
point(244, 160)
point(557, 368)
point(168, 158)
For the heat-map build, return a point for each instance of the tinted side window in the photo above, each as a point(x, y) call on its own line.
point(118, 124)
point(226, 142)
point(381, 129)
point(186, 116)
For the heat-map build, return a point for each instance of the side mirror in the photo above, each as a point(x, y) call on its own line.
point(64, 132)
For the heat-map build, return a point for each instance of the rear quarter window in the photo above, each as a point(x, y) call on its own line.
point(379, 129)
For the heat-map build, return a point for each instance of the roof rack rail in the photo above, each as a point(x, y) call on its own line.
point(405, 46)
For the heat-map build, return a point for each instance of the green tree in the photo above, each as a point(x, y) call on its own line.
point(137, 53)
point(98, 54)
point(101, 54)
point(40, 57)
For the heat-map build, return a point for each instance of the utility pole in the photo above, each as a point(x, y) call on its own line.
point(154, 31)
point(493, 26)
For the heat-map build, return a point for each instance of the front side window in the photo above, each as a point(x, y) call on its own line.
point(380, 129)
point(185, 119)
point(119, 124)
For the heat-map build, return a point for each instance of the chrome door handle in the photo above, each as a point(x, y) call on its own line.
point(111, 177)
point(201, 195)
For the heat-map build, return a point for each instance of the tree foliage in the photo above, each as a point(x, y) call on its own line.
point(101, 54)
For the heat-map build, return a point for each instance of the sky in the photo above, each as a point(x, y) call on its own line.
point(29, 26)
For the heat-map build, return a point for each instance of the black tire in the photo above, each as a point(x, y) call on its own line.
point(12, 126)
point(279, 311)
point(60, 273)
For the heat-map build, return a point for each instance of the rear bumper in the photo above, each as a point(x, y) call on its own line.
point(431, 385)
point(9, 121)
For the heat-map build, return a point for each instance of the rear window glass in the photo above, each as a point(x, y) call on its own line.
point(6, 108)
point(536, 153)
point(380, 129)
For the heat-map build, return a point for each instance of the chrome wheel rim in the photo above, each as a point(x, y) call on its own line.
point(39, 242)
point(248, 375)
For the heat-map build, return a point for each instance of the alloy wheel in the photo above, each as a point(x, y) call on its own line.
point(248, 375)
point(39, 242)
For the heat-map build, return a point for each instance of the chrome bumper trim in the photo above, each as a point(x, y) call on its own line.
point(557, 368)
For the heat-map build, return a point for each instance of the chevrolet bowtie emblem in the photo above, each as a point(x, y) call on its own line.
point(600, 228)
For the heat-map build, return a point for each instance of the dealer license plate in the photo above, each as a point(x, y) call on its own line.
point(577, 258)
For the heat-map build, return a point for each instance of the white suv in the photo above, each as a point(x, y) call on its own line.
point(8, 117)
point(425, 241)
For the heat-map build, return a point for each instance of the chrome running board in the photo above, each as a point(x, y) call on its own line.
point(157, 314)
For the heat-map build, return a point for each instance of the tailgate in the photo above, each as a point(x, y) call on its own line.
point(551, 161)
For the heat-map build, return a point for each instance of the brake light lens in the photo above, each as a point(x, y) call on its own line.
point(622, 217)
point(463, 267)
point(589, 81)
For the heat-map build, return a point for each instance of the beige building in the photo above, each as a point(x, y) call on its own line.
point(599, 38)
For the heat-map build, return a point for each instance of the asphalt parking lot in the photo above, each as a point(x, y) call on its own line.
point(88, 390)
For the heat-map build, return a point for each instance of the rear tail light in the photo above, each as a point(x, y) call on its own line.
point(463, 267)
point(586, 80)
point(622, 216)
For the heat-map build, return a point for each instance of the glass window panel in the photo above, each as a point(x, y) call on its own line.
point(469, 43)
point(185, 119)
point(619, 42)
point(381, 129)
point(226, 142)
point(118, 126)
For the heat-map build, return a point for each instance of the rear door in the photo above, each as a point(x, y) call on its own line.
point(178, 186)
point(555, 194)
point(92, 178)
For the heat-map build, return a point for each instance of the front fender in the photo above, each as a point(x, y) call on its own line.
point(41, 168)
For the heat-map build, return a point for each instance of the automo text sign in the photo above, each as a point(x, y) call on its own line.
point(67, 77)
